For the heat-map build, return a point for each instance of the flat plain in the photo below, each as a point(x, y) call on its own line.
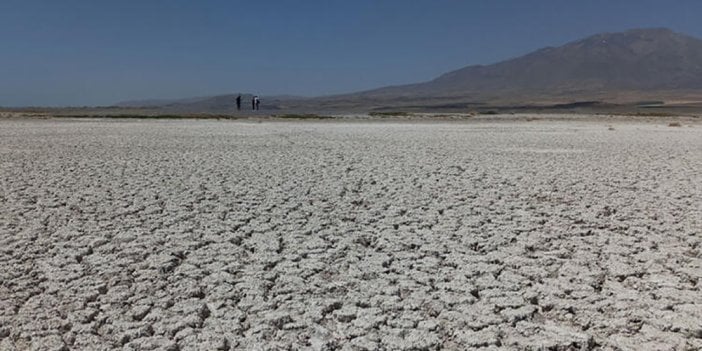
point(219, 235)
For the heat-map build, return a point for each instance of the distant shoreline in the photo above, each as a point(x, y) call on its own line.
point(400, 117)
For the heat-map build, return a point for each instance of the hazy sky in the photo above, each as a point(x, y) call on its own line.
point(98, 52)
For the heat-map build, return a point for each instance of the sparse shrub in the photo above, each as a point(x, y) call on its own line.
point(674, 124)
point(155, 116)
point(652, 114)
point(302, 116)
point(389, 114)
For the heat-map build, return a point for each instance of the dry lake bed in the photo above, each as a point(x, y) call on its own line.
point(235, 235)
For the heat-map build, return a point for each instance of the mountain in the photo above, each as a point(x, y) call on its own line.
point(220, 104)
point(636, 60)
point(633, 65)
point(161, 102)
point(204, 104)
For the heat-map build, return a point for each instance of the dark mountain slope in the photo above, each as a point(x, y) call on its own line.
point(641, 60)
point(639, 64)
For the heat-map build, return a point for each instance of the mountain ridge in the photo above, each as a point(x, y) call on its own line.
point(641, 63)
point(601, 61)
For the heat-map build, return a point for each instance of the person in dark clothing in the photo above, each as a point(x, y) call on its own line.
point(238, 103)
point(253, 102)
point(258, 102)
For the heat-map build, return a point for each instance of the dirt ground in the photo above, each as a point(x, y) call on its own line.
point(219, 235)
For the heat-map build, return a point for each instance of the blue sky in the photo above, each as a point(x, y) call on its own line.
point(98, 52)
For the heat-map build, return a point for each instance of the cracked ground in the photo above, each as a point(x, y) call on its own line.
point(221, 235)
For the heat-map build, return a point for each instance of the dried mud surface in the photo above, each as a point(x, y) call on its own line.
point(207, 235)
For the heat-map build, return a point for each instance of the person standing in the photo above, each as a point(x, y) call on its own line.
point(238, 103)
point(253, 102)
point(258, 102)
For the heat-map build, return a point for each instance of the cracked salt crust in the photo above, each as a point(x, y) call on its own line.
point(211, 235)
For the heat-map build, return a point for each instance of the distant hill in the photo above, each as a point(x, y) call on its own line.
point(205, 104)
point(161, 102)
point(209, 104)
point(636, 64)
point(640, 59)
